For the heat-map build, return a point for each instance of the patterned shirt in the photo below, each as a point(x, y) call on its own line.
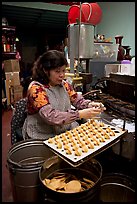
point(37, 96)
point(49, 110)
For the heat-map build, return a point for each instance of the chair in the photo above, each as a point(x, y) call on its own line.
point(17, 121)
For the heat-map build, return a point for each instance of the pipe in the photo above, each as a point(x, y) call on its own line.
point(79, 35)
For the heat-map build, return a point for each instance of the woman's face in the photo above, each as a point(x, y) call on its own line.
point(57, 75)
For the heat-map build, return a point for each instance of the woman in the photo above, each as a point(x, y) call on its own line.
point(50, 98)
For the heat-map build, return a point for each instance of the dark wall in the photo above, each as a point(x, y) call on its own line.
point(40, 37)
point(32, 43)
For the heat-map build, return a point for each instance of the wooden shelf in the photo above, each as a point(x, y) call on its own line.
point(9, 53)
point(9, 28)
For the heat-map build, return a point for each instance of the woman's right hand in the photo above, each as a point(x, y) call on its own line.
point(90, 112)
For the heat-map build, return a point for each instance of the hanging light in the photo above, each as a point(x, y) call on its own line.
point(17, 39)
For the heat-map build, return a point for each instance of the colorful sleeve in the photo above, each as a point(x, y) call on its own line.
point(76, 99)
point(37, 98)
point(72, 93)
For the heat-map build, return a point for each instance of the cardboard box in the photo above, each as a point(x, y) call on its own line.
point(13, 93)
point(18, 88)
point(14, 77)
point(9, 92)
point(8, 95)
point(17, 96)
point(11, 65)
point(17, 93)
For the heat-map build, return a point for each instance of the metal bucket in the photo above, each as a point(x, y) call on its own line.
point(91, 170)
point(82, 45)
point(24, 161)
point(117, 187)
point(126, 147)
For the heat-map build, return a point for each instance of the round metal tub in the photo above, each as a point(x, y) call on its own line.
point(117, 187)
point(90, 169)
point(24, 161)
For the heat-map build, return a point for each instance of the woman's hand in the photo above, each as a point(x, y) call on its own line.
point(90, 112)
point(96, 105)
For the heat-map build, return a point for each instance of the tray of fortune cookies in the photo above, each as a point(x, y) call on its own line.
point(86, 140)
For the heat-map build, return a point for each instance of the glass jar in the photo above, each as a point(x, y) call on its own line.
point(127, 56)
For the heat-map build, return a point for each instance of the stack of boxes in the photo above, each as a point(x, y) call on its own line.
point(14, 90)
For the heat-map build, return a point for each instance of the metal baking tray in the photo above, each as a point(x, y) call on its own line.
point(74, 160)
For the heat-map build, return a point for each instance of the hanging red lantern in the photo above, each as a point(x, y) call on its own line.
point(90, 13)
point(96, 14)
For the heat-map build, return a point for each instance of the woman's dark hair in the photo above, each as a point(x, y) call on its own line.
point(49, 60)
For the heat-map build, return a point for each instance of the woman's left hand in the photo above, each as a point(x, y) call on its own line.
point(96, 105)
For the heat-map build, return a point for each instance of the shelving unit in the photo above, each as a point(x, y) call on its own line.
point(8, 42)
point(11, 65)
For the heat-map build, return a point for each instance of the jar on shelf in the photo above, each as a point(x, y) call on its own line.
point(4, 21)
point(127, 56)
point(3, 43)
point(121, 50)
point(8, 45)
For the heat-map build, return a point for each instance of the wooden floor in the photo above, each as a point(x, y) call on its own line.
point(6, 144)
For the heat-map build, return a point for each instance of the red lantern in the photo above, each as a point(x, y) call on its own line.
point(96, 14)
point(90, 13)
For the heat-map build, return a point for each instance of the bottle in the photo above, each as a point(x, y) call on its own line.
point(4, 40)
point(121, 50)
point(3, 43)
point(8, 45)
point(12, 45)
point(4, 21)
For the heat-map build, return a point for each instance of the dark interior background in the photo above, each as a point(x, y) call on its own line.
point(37, 24)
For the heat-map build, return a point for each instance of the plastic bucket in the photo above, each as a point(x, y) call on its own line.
point(24, 161)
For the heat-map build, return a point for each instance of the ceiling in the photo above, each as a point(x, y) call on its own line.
point(40, 15)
